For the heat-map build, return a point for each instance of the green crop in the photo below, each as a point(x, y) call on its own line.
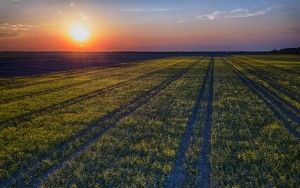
point(186, 121)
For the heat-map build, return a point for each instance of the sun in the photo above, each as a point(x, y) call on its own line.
point(79, 32)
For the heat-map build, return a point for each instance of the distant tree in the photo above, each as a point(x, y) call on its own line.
point(286, 51)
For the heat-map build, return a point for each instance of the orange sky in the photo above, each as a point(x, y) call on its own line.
point(141, 25)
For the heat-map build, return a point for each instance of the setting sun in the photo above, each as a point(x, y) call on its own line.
point(79, 32)
point(140, 93)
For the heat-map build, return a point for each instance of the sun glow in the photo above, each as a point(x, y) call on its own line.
point(79, 32)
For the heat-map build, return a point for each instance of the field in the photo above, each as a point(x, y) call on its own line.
point(163, 121)
point(32, 63)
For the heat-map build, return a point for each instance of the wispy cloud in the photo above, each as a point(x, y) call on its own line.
point(210, 16)
point(237, 13)
point(10, 30)
point(245, 13)
point(83, 17)
point(296, 29)
point(180, 21)
point(146, 10)
point(72, 4)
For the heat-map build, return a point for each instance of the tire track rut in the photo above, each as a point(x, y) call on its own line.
point(46, 91)
point(177, 175)
point(26, 116)
point(204, 165)
point(89, 136)
point(272, 82)
point(276, 106)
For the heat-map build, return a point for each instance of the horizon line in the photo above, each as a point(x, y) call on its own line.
point(143, 51)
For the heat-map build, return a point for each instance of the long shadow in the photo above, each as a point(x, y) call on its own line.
point(204, 165)
point(46, 91)
point(88, 136)
point(272, 102)
point(177, 174)
point(271, 81)
point(26, 116)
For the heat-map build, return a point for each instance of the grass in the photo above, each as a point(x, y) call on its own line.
point(139, 151)
point(36, 97)
point(130, 125)
point(45, 130)
point(250, 147)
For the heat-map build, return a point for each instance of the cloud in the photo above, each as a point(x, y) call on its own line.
point(296, 29)
point(72, 4)
point(210, 16)
point(83, 17)
point(245, 13)
point(147, 10)
point(180, 21)
point(11, 30)
point(237, 13)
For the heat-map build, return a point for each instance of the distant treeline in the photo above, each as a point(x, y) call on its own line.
point(149, 53)
point(286, 51)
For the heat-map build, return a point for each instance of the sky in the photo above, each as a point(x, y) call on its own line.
point(156, 25)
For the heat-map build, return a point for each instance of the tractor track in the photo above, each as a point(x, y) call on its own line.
point(8, 85)
point(59, 88)
point(270, 99)
point(178, 173)
point(26, 116)
point(292, 111)
point(70, 74)
point(90, 135)
point(204, 165)
point(271, 81)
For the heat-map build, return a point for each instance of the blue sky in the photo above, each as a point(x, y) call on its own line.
point(152, 25)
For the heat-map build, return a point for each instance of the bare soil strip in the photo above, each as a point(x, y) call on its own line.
point(176, 177)
point(89, 135)
point(277, 107)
